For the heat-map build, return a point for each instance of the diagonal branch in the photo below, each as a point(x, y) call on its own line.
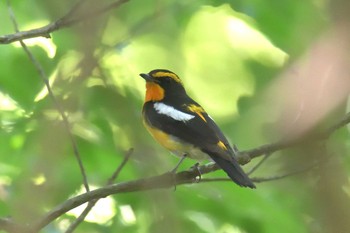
point(59, 108)
point(271, 178)
point(337, 125)
point(65, 21)
point(266, 156)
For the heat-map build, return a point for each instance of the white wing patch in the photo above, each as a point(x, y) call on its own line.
point(172, 112)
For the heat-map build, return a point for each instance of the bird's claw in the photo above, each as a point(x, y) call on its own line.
point(199, 175)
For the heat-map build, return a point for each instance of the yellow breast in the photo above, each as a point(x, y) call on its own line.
point(175, 145)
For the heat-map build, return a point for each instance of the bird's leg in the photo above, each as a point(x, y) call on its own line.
point(173, 172)
point(178, 164)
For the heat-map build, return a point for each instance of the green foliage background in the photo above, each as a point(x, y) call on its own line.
point(93, 68)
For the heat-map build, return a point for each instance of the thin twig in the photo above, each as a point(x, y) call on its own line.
point(59, 108)
point(265, 179)
point(82, 216)
point(92, 203)
point(266, 156)
point(338, 125)
point(65, 21)
point(115, 175)
point(245, 156)
point(71, 12)
point(278, 177)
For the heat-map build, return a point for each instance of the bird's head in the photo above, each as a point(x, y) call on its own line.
point(161, 84)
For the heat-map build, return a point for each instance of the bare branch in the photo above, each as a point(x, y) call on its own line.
point(245, 156)
point(337, 125)
point(59, 108)
point(92, 203)
point(65, 21)
point(120, 167)
point(293, 173)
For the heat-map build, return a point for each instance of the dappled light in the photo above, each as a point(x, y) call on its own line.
point(47, 45)
point(224, 62)
point(104, 210)
point(127, 214)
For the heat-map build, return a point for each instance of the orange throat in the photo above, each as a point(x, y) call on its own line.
point(154, 92)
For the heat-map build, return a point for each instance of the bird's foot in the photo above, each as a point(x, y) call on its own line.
point(199, 175)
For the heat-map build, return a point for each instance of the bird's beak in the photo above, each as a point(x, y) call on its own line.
point(148, 78)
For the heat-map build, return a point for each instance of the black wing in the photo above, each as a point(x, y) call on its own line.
point(195, 131)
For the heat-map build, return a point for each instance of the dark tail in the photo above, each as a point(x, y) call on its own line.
point(234, 171)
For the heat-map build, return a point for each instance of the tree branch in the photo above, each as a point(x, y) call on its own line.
point(245, 156)
point(92, 203)
point(65, 21)
point(266, 156)
point(166, 180)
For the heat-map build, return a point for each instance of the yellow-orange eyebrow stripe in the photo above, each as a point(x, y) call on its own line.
point(167, 74)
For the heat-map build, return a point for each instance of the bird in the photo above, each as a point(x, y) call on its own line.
point(182, 126)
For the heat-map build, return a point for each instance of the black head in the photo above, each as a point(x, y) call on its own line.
point(167, 80)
